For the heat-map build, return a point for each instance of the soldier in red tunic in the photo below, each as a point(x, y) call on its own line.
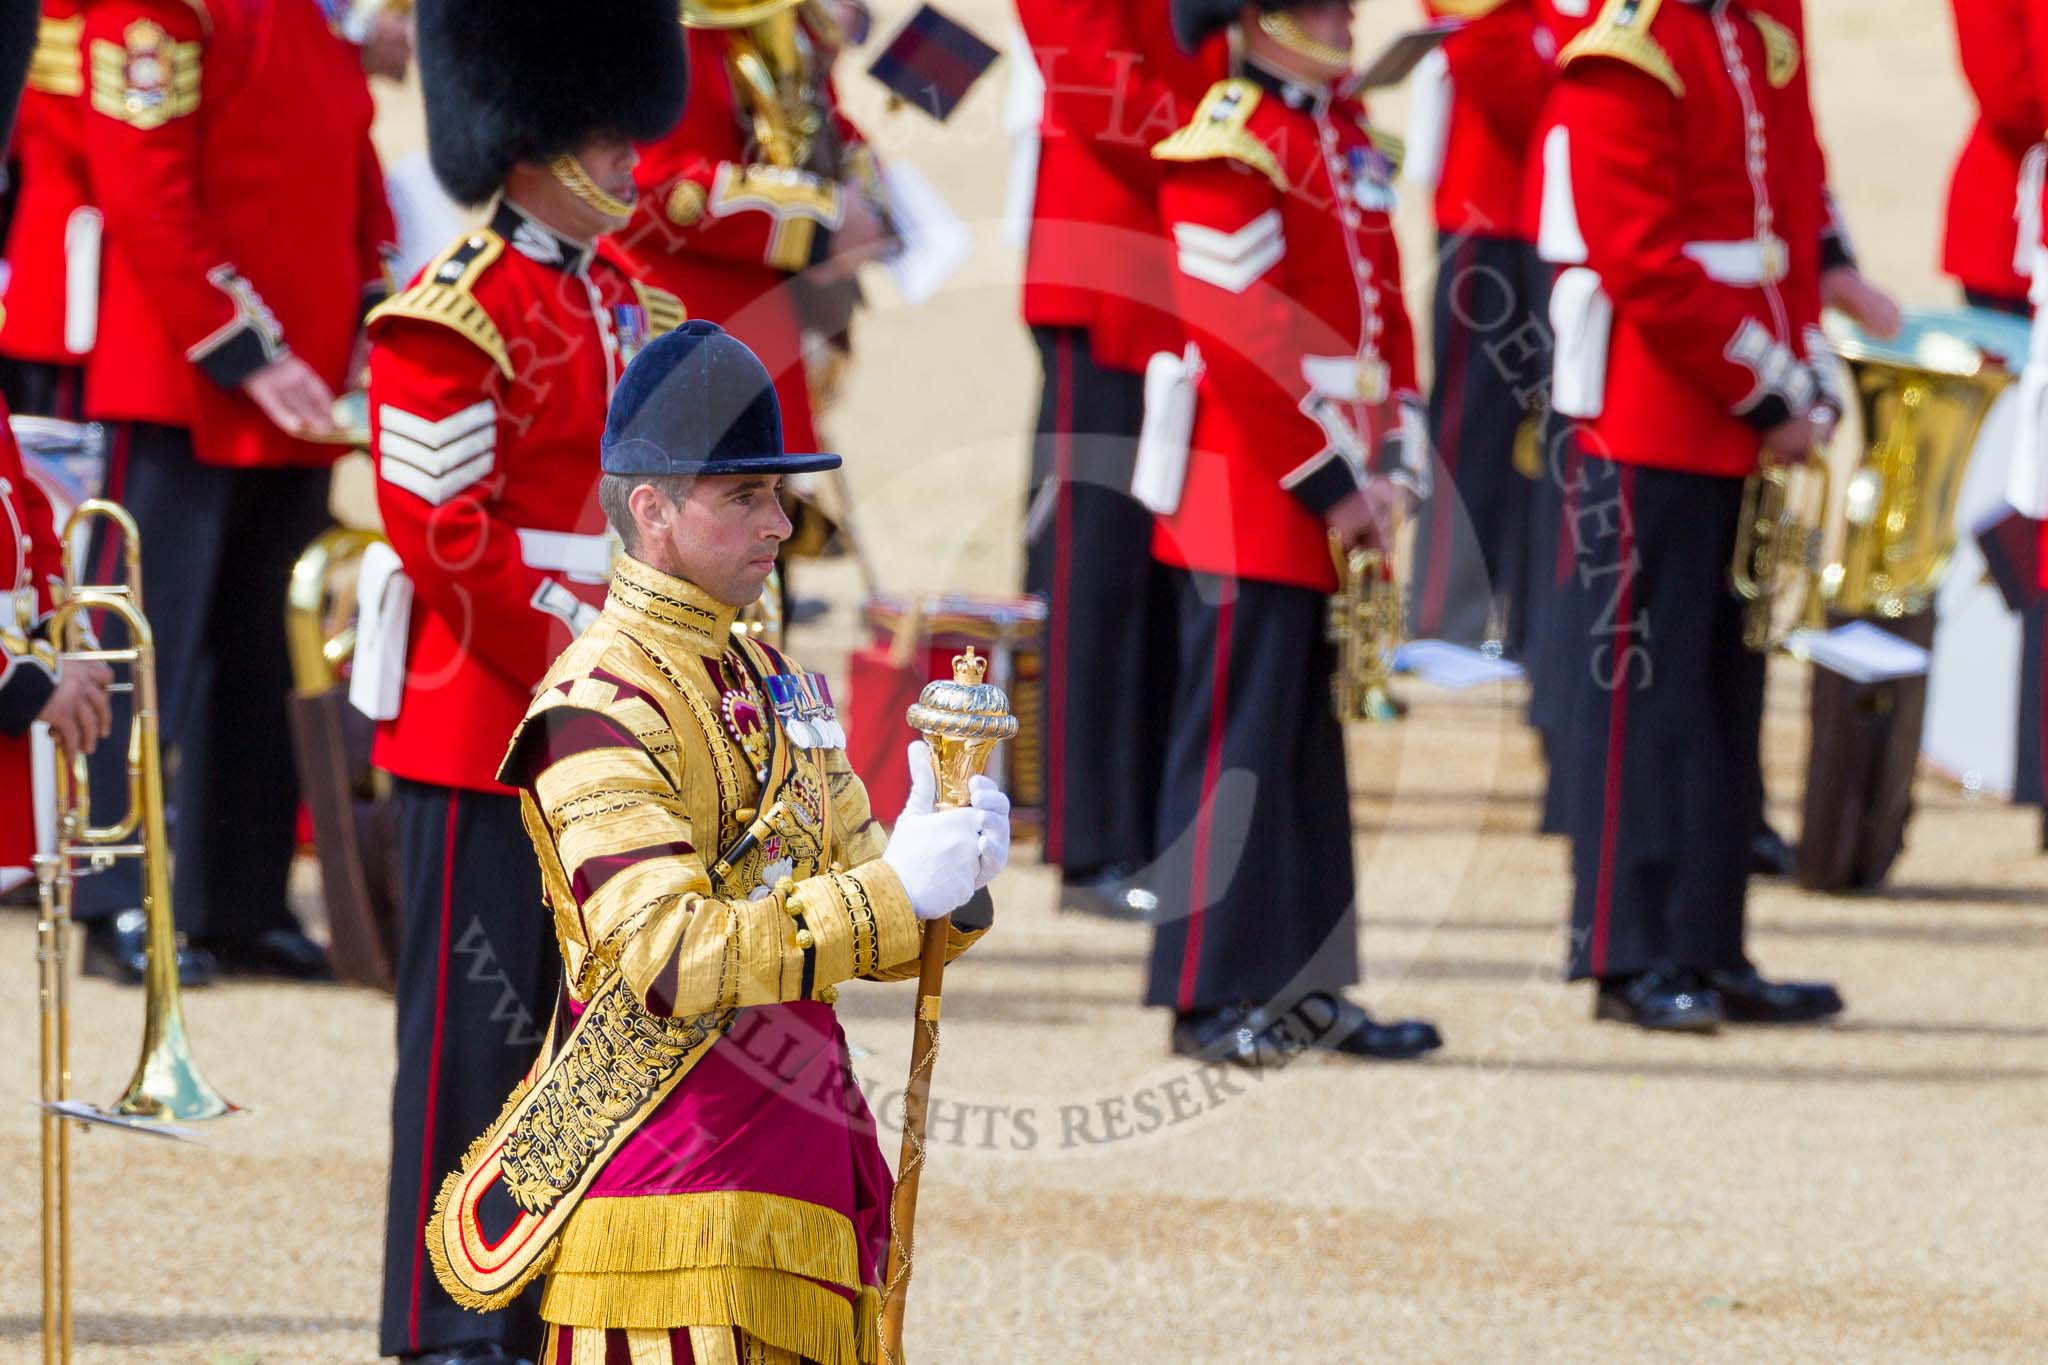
point(50, 309)
point(1288, 283)
point(489, 380)
point(1098, 300)
point(228, 150)
point(1685, 201)
point(71, 698)
point(1491, 364)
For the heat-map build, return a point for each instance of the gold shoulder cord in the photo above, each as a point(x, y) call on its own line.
point(1623, 32)
point(1219, 132)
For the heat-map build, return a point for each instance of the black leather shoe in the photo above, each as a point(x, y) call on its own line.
point(1239, 1034)
point(482, 1353)
point(1747, 998)
point(1663, 1002)
point(117, 949)
point(1112, 892)
point(1338, 1025)
point(285, 954)
point(1770, 855)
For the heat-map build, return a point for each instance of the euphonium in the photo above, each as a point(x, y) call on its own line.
point(166, 1085)
point(1921, 416)
point(1365, 625)
point(1777, 549)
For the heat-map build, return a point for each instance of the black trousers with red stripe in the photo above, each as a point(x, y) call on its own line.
point(1662, 747)
point(42, 388)
point(218, 546)
point(1549, 654)
point(1110, 624)
point(477, 975)
point(1254, 876)
point(1492, 367)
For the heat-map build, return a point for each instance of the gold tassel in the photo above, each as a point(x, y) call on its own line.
point(783, 1310)
point(631, 1233)
point(867, 1313)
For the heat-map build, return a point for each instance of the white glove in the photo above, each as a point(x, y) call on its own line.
point(937, 854)
point(993, 834)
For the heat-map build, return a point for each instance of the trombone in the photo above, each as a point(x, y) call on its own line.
point(166, 1086)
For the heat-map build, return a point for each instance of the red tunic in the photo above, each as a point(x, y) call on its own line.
point(30, 560)
point(1501, 64)
point(1285, 261)
point(725, 232)
point(229, 148)
point(1978, 246)
point(52, 244)
point(1695, 203)
point(1115, 84)
point(489, 379)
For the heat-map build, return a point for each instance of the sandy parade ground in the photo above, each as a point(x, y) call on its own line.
point(1543, 1189)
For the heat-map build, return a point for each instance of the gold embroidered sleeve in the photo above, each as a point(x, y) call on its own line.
point(648, 907)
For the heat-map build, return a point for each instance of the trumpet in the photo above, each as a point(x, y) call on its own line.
point(1365, 625)
point(1778, 550)
point(166, 1085)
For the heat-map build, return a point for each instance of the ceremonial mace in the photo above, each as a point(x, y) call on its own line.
point(963, 721)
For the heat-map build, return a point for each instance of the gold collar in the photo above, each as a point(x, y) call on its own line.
point(664, 610)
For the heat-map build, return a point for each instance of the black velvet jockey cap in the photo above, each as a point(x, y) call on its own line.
point(697, 401)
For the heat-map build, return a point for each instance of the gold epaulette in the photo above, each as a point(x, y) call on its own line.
point(1218, 132)
point(1781, 50)
point(665, 312)
point(444, 296)
point(1623, 32)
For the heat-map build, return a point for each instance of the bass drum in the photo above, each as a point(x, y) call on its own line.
point(1973, 680)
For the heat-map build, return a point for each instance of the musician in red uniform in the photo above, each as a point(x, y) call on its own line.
point(489, 380)
point(50, 308)
point(1471, 564)
point(1098, 300)
point(228, 150)
point(1276, 198)
point(1687, 210)
point(1980, 246)
point(1981, 251)
point(71, 698)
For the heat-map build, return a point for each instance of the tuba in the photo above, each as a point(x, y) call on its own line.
point(1365, 625)
point(167, 1086)
point(1923, 402)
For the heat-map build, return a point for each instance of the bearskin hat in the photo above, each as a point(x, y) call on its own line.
point(18, 23)
point(507, 81)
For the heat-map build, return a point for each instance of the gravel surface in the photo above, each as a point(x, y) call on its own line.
point(1546, 1189)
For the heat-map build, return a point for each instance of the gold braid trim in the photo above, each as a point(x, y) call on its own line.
point(634, 1233)
point(1623, 32)
point(1218, 133)
point(788, 1311)
point(614, 1065)
point(443, 296)
point(665, 312)
point(867, 949)
point(437, 1248)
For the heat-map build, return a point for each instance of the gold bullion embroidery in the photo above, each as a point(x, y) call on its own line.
point(147, 79)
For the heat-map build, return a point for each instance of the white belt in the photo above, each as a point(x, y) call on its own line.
point(1747, 262)
point(581, 559)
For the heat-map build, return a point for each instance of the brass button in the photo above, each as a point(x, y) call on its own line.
point(829, 995)
point(806, 940)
